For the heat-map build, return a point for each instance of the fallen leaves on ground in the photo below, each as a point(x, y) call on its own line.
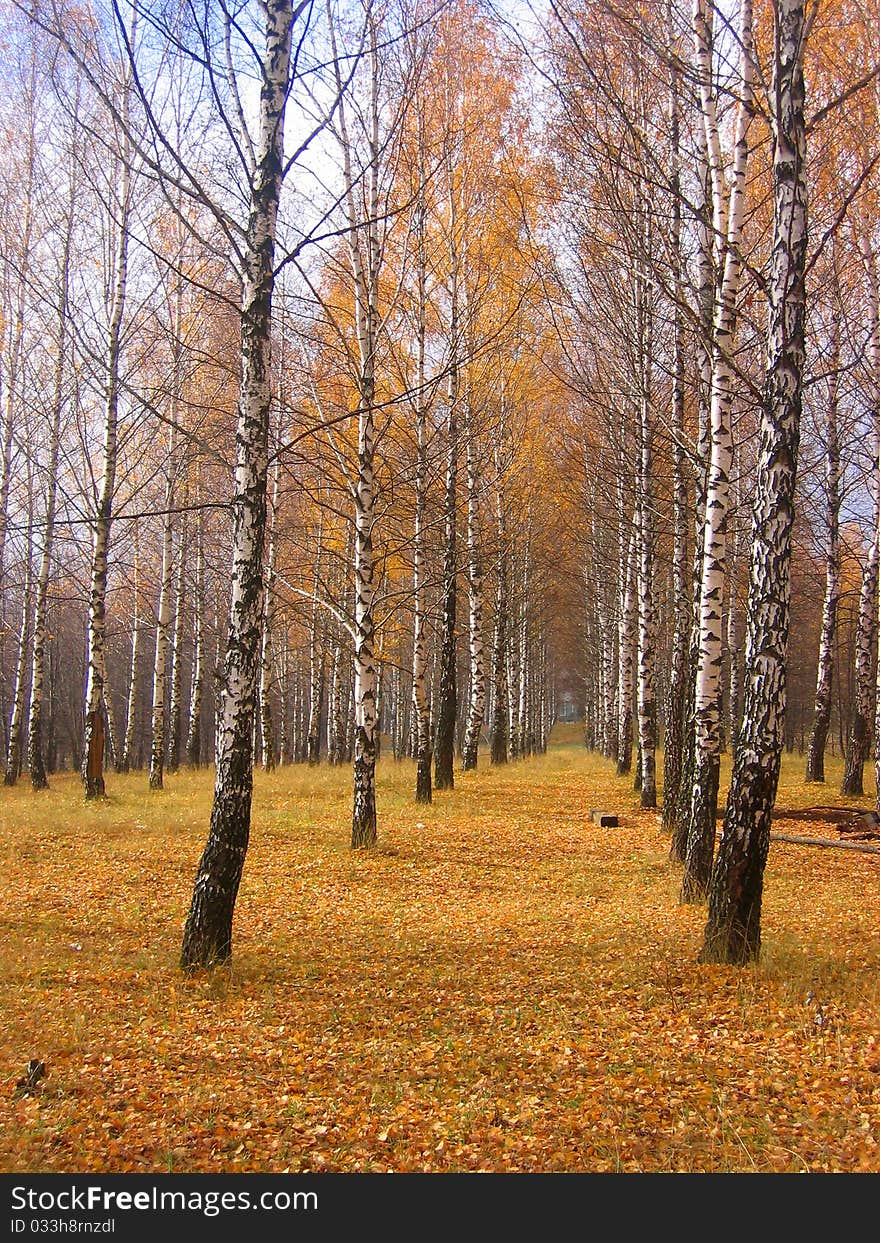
point(501, 985)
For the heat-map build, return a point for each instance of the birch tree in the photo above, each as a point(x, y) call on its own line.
point(678, 672)
point(733, 928)
point(365, 254)
point(825, 664)
point(19, 686)
point(95, 703)
point(421, 718)
point(36, 763)
point(163, 620)
point(207, 937)
point(728, 218)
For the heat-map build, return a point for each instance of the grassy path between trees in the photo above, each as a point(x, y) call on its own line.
point(501, 985)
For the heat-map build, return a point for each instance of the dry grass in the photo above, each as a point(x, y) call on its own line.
point(500, 986)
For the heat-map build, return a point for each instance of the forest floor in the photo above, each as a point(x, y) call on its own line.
point(500, 985)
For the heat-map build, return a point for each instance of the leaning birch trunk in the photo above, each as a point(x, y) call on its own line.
point(207, 938)
point(163, 621)
point(707, 701)
point(477, 703)
point(733, 928)
point(825, 671)
point(93, 736)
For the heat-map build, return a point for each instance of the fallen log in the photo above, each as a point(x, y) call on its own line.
point(823, 841)
point(828, 815)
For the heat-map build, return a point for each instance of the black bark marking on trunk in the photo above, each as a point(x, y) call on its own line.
point(207, 938)
point(733, 927)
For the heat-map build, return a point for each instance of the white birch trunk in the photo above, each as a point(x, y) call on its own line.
point(513, 669)
point(447, 689)
point(36, 763)
point(163, 621)
point(677, 687)
point(647, 619)
point(267, 728)
point(500, 686)
point(421, 711)
point(134, 667)
point(626, 643)
point(825, 663)
point(705, 309)
point(859, 741)
point(316, 659)
point(174, 704)
point(196, 697)
point(93, 737)
point(283, 678)
point(16, 316)
point(477, 704)
point(733, 928)
point(208, 934)
point(364, 254)
point(17, 714)
point(728, 223)
point(869, 255)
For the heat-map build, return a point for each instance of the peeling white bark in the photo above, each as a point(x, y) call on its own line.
point(207, 937)
point(728, 218)
point(733, 928)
